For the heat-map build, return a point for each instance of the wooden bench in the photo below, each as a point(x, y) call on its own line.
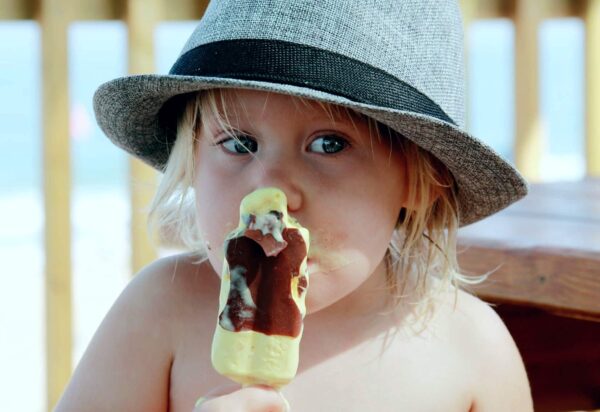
point(546, 252)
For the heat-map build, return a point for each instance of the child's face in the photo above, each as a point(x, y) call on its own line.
point(343, 186)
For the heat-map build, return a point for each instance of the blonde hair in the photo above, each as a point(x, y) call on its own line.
point(423, 247)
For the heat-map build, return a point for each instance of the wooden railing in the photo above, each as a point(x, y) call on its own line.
point(527, 16)
point(141, 17)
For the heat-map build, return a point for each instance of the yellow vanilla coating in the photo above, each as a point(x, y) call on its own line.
point(250, 357)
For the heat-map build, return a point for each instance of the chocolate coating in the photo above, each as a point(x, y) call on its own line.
point(268, 279)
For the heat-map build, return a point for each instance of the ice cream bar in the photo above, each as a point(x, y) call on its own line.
point(263, 289)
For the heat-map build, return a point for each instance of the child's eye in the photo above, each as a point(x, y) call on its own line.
point(243, 144)
point(330, 144)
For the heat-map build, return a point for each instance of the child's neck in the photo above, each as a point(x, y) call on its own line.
point(359, 318)
point(371, 298)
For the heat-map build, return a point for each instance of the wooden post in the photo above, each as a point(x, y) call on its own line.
point(529, 127)
point(57, 190)
point(142, 16)
point(468, 9)
point(16, 9)
point(592, 53)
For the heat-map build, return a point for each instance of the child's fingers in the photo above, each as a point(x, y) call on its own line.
point(247, 399)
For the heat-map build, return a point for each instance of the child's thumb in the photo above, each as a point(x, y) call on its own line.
point(255, 398)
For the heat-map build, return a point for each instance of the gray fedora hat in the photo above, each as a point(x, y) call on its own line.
point(397, 61)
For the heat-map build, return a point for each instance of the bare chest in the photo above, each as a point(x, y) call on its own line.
point(384, 373)
point(371, 378)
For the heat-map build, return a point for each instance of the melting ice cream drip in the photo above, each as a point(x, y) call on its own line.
point(268, 223)
point(238, 288)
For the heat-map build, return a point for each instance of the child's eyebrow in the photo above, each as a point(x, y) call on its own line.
point(337, 115)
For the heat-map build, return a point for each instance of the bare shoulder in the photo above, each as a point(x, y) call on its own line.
point(191, 288)
point(167, 289)
point(127, 364)
point(184, 275)
point(491, 353)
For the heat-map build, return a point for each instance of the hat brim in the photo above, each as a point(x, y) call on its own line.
point(131, 112)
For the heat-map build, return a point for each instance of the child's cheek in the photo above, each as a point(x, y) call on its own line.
point(327, 250)
point(215, 246)
point(216, 262)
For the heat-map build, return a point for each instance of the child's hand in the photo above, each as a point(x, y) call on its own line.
point(256, 398)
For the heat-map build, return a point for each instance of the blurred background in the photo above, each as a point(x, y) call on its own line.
point(526, 98)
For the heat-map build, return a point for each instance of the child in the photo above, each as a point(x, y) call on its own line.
point(354, 109)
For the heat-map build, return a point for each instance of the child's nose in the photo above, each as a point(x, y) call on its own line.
point(283, 178)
